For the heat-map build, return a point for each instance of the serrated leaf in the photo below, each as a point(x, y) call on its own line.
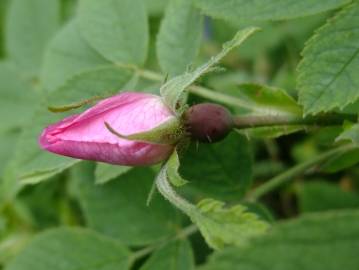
point(221, 170)
point(261, 210)
point(68, 54)
point(118, 208)
point(179, 37)
point(350, 134)
point(219, 226)
point(327, 75)
point(267, 100)
point(352, 108)
point(98, 83)
point(174, 256)
point(30, 25)
point(321, 196)
point(17, 99)
point(327, 241)
point(65, 248)
point(243, 11)
point(173, 90)
point(117, 29)
point(107, 172)
point(222, 226)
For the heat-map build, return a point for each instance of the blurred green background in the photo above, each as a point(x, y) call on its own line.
point(33, 43)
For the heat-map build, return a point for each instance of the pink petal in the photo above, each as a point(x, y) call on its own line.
point(85, 136)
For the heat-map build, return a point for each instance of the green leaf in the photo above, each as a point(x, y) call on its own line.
point(322, 196)
point(341, 161)
point(68, 54)
point(222, 226)
point(65, 249)
point(262, 211)
point(262, 100)
point(11, 244)
point(118, 208)
point(106, 172)
point(327, 75)
point(352, 108)
point(221, 170)
point(266, 100)
point(84, 87)
point(270, 132)
point(219, 226)
point(10, 186)
point(179, 37)
point(30, 25)
point(350, 134)
point(257, 100)
point(173, 90)
point(243, 11)
point(117, 29)
point(322, 241)
point(17, 99)
point(174, 256)
point(7, 143)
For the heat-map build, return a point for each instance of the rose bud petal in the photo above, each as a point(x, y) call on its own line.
point(85, 135)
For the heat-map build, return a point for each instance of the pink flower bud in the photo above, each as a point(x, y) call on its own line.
point(85, 135)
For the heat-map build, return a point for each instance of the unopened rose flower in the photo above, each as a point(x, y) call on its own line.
point(85, 135)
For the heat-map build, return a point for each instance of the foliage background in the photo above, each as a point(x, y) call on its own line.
point(60, 213)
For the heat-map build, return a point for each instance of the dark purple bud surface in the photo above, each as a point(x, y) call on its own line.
point(208, 122)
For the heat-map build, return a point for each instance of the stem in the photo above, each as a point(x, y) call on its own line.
point(250, 121)
point(199, 91)
point(242, 122)
point(219, 97)
point(165, 188)
point(290, 174)
point(150, 75)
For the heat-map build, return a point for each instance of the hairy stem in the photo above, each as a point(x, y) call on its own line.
point(199, 91)
point(242, 122)
point(165, 188)
point(254, 121)
point(292, 173)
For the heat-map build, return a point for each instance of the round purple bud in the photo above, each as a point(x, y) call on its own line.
point(208, 122)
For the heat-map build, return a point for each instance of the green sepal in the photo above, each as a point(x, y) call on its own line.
point(172, 171)
point(174, 91)
point(72, 106)
point(169, 132)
